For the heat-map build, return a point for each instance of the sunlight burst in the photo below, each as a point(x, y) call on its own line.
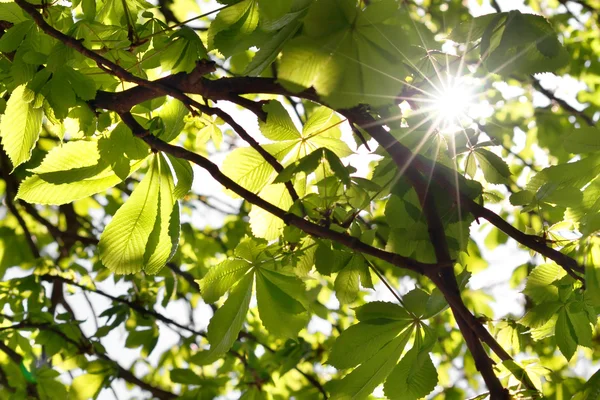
point(451, 106)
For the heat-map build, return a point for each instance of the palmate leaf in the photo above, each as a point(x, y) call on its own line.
point(281, 296)
point(495, 170)
point(144, 232)
point(20, 125)
point(361, 341)
point(160, 243)
point(269, 50)
point(375, 343)
point(249, 169)
point(172, 115)
point(280, 303)
point(227, 322)
point(414, 377)
point(185, 176)
point(232, 26)
point(583, 140)
point(353, 56)
point(71, 172)
point(565, 335)
point(347, 280)
point(264, 224)
point(221, 278)
point(361, 382)
point(123, 243)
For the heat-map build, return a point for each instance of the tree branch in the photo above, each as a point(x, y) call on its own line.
point(86, 348)
point(290, 219)
point(105, 64)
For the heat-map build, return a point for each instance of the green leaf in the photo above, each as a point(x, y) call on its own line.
point(279, 126)
point(337, 166)
point(123, 243)
point(471, 165)
point(539, 282)
point(494, 169)
point(172, 115)
point(20, 126)
point(377, 310)
point(583, 140)
point(522, 198)
point(185, 176)
point(581, 326)
point(159, 246)
point(83, 86)
point(592, 284)
point(347, 281)
point(565, 335)
point(11, 12)
point(221, 278)
point(328, 260)
point(264, 224)
point(71, 172)
point(232, 25)
point(270, 49)
point(120, 149)
point(540, 314)
point(274, 9)
point(574, 174)
point(474, 28)
point(528, 41)
point(414, 377)
point(416, 301)
point(86, 386)
point(184, 376)
point(352, 56)
point(590, 389)
point(306, 164)
point(14, 36)
point(183, 51)
point(281, 313)
point(249, 169)
point(89, 9)
point(227, 322)
point(360, 342)
point(361, 382)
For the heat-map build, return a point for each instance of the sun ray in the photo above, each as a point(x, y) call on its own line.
point(423, 91)
point(407, 59)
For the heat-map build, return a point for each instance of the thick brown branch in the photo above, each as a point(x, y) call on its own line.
point(256, 146)
point(86, 348)
point(290, 219)
point(103, 63)
point(224, 88)
point(405, 157)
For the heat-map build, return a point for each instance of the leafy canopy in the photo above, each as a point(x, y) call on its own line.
point(299, 199)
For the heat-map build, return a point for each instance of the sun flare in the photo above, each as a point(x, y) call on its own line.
point(451, 106)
